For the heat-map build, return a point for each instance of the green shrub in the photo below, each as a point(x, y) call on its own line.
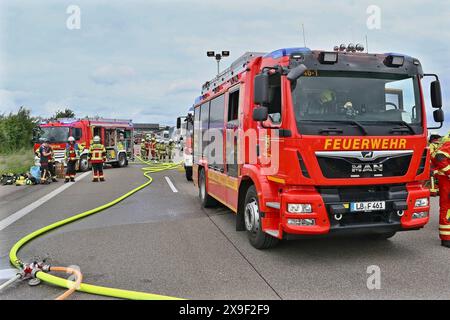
point(16, 131)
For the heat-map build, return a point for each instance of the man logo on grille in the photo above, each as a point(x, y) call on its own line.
point(367, 154)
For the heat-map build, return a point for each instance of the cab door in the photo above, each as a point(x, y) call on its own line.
point(231, 145)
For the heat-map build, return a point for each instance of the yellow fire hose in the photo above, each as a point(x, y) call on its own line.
point(84, 287)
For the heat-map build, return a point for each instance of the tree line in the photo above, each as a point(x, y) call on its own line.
point(16, 129)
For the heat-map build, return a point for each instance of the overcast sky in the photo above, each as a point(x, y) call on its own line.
point(146, 61)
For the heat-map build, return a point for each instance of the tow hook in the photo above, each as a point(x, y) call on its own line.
point(338, 217)
point(401, 213)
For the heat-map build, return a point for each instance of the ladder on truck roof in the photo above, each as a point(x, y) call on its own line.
point(239, 65)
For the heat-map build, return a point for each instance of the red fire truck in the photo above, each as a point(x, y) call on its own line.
point(302, 143)
point(83, 130)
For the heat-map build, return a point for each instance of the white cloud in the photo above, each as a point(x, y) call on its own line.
point(110, 74)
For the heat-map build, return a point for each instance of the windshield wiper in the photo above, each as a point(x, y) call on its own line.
point(404, 124)
point(353, 122)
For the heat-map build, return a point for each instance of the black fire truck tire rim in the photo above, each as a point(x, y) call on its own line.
point(84, 164)
point(122, 160)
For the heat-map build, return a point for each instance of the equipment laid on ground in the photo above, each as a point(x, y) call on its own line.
point(316, 143)
point(116, 135)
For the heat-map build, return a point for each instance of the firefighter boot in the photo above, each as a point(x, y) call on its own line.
point(66, 180)
point(446, 243)
point(72, 179)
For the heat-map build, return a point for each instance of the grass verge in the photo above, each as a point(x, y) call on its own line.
point(16, 162)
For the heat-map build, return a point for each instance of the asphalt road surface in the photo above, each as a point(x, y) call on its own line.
point(163, 242)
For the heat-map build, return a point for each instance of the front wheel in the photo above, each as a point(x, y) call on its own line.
point(257, 237)
point(84, 164)
point(122, 160)
point(188, 171)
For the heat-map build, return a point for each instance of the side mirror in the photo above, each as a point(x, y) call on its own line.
point(77, 134)
point(260, 114)
point(439, 116)
point(436, 95)
point(261, 88)
point(297, 72)
point(178, 122)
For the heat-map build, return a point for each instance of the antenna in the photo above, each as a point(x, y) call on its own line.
point(367, 44)
point(304, 37)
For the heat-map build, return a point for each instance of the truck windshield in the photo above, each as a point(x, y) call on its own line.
point(53, 134)
point(370, 103)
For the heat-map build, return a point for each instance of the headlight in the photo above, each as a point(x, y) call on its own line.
point(300, 208)
point(423, 202)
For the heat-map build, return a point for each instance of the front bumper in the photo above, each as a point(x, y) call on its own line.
point(332, 203)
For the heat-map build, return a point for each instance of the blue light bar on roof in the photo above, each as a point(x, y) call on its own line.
point(286, 52)
point(198, 99)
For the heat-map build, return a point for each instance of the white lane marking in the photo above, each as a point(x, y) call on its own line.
point(7, 274)
point(26, 210)
point(169, 182)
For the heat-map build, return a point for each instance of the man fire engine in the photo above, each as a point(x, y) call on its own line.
point(264, 148)
point(441, 163)
point(83, 130)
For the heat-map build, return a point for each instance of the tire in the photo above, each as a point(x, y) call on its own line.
point(206, 200)
point(84, 164)
point(258, 239)
point(122, 160)
point(188, 171)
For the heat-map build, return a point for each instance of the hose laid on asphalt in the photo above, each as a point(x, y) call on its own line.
point(83, 287)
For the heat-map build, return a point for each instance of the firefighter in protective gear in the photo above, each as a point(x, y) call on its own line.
point(153, 148)
point(97, 156)
point(121, 143)
point(433, 144)
point(434, 141)
point(143, 153)
point(71, 157)
point(170, 148)
point(162, 151)
point(147, 147)
point(327, 102)
point(441, 161)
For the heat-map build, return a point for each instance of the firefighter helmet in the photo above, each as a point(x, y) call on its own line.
point(71, 139)
point(327, 96)
point(97, 139)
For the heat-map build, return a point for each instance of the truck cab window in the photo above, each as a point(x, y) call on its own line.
point(274, 106)
point(233, 106)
